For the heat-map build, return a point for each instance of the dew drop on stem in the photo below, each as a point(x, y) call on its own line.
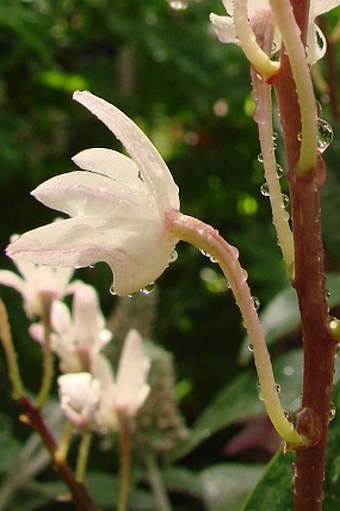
point(279, 171)
point(264, 190)
point(325, 135)
point(332, 412)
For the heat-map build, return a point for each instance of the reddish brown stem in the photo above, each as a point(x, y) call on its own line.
point(319, 347)
point(33, 417)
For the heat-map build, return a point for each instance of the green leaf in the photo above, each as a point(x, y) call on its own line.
point(225, 486)
point(9, 446)
point(274, 490)
point(239, 400)
point(281, 316)
point(183, 480)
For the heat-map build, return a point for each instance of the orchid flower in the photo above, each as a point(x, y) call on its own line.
point(127, 392)
point(117, 204)
point(79, 395)
point(36, 283)
point(316, 43)
point(76, 339)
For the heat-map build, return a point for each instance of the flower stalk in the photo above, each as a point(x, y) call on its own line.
point(46, 300)
point(295, 49)
point(208, 239)
point(12, 364)
point(125, 459)
point(254, 53)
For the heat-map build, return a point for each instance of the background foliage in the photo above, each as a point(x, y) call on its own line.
point(191, 94)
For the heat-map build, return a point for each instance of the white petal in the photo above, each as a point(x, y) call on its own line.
point(10, 279)
point(224, 27)
point(133, 368)
point(116, 166)
point(138, 251)
point(82, 193)
point(87, 317)
point(149, 162)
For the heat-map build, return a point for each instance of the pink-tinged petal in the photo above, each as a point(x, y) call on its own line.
point(10, 279)
point(61, 318)
point(132, 388)
point(149, 162)
point(224, 28)
point(137, 250)
point(82, 193)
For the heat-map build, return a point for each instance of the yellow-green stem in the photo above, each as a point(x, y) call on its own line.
point(7, 342)
point(208, 239)
point(294, 47)
point(254, 53)
point(83, 454)
point(64, 444)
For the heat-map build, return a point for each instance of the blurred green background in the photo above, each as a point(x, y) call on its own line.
point(191, 94)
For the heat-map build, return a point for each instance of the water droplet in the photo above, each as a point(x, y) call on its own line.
point(244, 275)
point(178, 5)
point(285, 200)
point(250, 347)
point(146, 290)
point(260, 158)
point(264, 190)
point(328, 293)
point(334, 327)
point(279, 171)
point(325, 135)
point(112, 290)
point(275, 136)
point(256, 302)
point(278, 388)
point(332, 412)
point(286, 414)
point(261, 398)
point(173, 256)
point(299, 137)
point(236, 251)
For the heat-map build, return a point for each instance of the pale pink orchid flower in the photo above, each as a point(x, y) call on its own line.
point(78, 338)
point(38, 283)
point(117, 204)
point(257, 9)
point(79, 396)
point(127, 392)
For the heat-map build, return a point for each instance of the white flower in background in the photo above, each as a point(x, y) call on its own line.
point(79, 396)
point(127, 392)
point(117, 204)
point(76, 339)
point(316, 43)
point(38, 282)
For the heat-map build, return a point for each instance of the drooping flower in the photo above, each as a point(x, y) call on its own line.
point(76, 339)
point(79, 395)
point(316, 43)
point(117, 207)
point(38, 282)
point(127, 392)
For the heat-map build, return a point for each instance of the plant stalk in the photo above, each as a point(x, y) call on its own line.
point(310, 284)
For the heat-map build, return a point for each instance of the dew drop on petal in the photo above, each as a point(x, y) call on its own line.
point(275, 136)
point(173, 256)
point(236, 252)
point(250, 347)
point(112, 290)
point(325, 135)
point(260, 157)
point(278, 388)
point(146, 290)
